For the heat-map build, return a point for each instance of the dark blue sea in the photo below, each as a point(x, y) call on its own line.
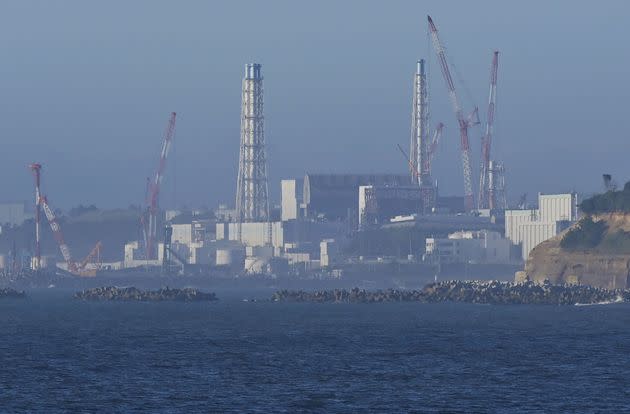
point(62, 355)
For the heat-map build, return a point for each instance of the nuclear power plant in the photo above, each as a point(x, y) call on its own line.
point(335, 225)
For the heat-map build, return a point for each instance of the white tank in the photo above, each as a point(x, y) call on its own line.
point(3, 261)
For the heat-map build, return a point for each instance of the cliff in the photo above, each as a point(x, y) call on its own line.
point(604, 263)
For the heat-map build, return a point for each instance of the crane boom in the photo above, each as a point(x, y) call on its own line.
point(485, 200)
point(461, 120)
point(150, 230)
point(437, 136)
point(78, 269)
point(56, 229)
point(412, 166)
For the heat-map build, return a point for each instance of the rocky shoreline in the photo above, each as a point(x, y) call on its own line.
point(112, 293)
point(481, 292)
point(11, 293)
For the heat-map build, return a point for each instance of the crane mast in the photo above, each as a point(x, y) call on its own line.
point(485, 191)
point(461, 120)
point(153, 194)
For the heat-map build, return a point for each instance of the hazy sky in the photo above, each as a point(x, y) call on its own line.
point(87, 87)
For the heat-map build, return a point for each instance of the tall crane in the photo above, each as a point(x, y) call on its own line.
point(153, 194)
point(77, 269)
point(485, 192)
point(463, 122)
point(36, 169)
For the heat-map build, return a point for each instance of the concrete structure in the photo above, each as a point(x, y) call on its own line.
point(251, 234)
point(334, 196)
point(528, 228)
point(134, 256)
point(224, 213)
point(252, 203)
point(485, 247)
point(14, 214)
point(378, 204)
point(292, 194)
point(230, 256)
point(328, 252)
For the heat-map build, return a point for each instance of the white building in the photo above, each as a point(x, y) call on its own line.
point(292, 195)
point(328, 252)
point(483, 246)
point(252, 234)
point(529, 228)
point(14, 214)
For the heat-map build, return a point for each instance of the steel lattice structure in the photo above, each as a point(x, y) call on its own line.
point(420, 151)
point(252, 201)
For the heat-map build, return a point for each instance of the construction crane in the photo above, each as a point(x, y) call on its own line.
point(36, 169)
point(464, 122)
point(149, 223)
point(435, 139)
point(412, 165)
point(485, 192)
point(77, 269)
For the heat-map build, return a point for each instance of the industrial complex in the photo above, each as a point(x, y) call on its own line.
point(325, 225)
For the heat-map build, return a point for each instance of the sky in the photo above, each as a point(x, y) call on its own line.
point(86, 88)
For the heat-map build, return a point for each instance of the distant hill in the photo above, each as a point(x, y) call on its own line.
point(82, 228)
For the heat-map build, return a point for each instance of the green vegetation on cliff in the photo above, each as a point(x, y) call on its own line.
point(600, 235)
point(608, 202)
point(585, 235)
point(588, 234)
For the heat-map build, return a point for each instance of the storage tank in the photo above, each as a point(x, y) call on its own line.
point(3, 261)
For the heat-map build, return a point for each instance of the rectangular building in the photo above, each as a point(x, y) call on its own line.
point(378, 204)
point(486, 247)
point(528, 228)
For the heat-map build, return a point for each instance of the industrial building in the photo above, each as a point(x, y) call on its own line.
point(334, 196)
point(528, 228)
point(14, 214)
point(379, 204)
point(484, 247)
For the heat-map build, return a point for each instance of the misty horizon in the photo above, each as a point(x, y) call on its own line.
point(88, 90)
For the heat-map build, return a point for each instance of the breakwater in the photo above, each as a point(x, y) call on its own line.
point(11, 293)
point(482, 292)
point(112, 293)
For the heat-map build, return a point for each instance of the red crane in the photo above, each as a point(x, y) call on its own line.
point(463, 122)
point(485, 196)
point(78, 269)
point(153, 193)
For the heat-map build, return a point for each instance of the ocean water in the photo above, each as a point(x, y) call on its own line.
point(62, 355)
